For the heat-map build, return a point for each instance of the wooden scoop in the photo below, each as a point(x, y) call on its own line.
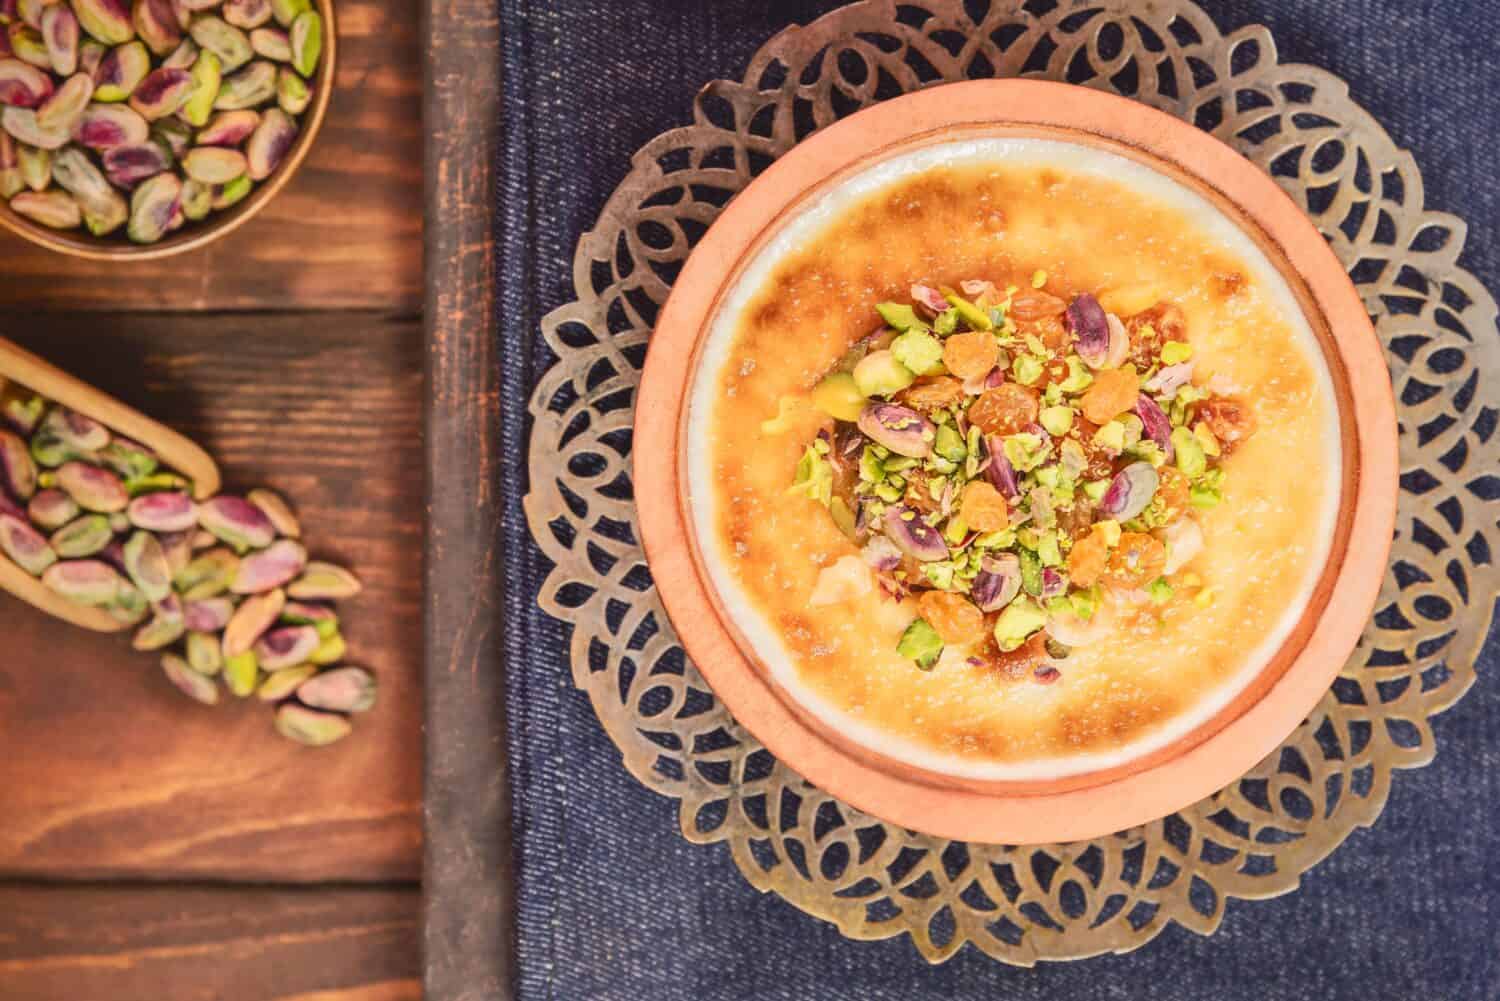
point(175, 451)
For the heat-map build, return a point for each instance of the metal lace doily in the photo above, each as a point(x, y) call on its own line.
point(1064, 901)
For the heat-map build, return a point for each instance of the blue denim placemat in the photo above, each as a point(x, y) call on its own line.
point(614, 904)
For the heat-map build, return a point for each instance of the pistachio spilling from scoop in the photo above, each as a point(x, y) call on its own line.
point(1015, 460)
point(224, 589)
point(144, 117)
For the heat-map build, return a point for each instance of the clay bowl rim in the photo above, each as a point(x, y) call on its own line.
point(78, 243)
point(1291, 682)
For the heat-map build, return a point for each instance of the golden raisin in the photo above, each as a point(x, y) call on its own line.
point(955, 617)
point(1050, 331)
point(1034, 304)
point(970, 355)
point(931, 393)
point(1023, 660)
point(1151, 329)
point(1099, 463)
point(1088, 559)
point(1077, 518)
point(1136, 561)
point(1174, 491)
point(1005, 409)
point(982, 508)
point(919, 492)
point(1113, 392)
point(1229, 419)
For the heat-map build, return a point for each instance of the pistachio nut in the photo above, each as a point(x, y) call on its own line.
point(241, 673)
point(231, 194)
point(270, 144)
point(197, 199)
point(208, 575)
point(105, 215)
point(153, 207)
point(304, 613)
point(309, 726)
point(106, 20)
point(207, 74)
point(275, 508)
point(83, 536)
point(155, 483)
point(286, 11)
point(21, 123)
point(272, 43)
point(236, 522)
point(146, 565)
point(247, 14)
point(230, 44)
point(22, 85)
point(251, 619)
point(156, 24)
point(228, 128)
point(254, 85)
point(93, 488)
point(332, 649)
point(87, 582)
point(269, 568)
point(293, 94)
point(173, 134)
point(281, 684)
point(286, 646)
point(53, 209)
point(23, 412)
point(25, 545)
point(76, 174)
point(344, 689)
point(168, 511)
point(60, 34)
point(196, 686)
point(120, 71)
point(36, 166)
point(213, 164)
point(60, 111)
point(163, 92)
point(210, 615)
point(324, 581)
point(90, 55)
point(17, 468)
point(129, 606)
point(102, 127)
point(204, 654)
point(51, 509)
point(27, 45)
point(81, 432)
point(184, 56)
point(307, 42)
point(129, 459)
point(178, 549)
point(165, 628)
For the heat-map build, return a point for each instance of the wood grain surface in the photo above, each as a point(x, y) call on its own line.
point(346, 233)
point(105, 769)
point(469, 931)
point(131, 942)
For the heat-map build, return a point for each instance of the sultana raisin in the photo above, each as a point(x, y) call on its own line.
point(918, 492)
point(955, 617)
point(1174, 491)
point(1034, 304)
point(931, 393)
point(1099, 462)
point(1150, 329)
point(970, 355)
point(1230, 420)
point(1050, 331)
point(1113, 392)
point(1136, 561)
point(1005, 409)
point(983, 508)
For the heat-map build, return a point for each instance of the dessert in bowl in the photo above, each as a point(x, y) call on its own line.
point(1022, 464)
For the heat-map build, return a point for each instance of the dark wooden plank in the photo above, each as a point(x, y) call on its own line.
point(106, 771)
point(346, 232)
point(209, 943)
point(468, 870)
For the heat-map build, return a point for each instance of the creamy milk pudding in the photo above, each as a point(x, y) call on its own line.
point(1012, 458)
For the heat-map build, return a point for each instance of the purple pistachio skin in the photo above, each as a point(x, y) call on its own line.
point(898, 428)
point(228, 128)
point(23, 85)
point(286, 647)
point(25, 545)
point(1086, 319)
point(270, 568)
point(51, 509)
point(1130, 491)
point(156, 24)
point(913, 536)
point(1156, 424)
point(93, 488)
point(168, 511)
point(60, 34)
point(209, 615)
point(161, 93)
point(154, 207)
point(997, 583)
point(270, 143)
point(237, 522)
point(344, 689)
point(102, 127)
point(131, 163)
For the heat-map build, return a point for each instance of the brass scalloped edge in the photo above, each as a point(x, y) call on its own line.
point(1251, 840)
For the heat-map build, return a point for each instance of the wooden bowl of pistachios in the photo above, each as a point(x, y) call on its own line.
point(139, 129)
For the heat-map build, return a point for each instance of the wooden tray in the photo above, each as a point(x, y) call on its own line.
point(467, 879)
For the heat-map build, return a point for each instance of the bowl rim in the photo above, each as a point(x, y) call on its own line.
point(78, 243)
point(1260, 717)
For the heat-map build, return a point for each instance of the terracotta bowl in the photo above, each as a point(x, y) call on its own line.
point(1285, 689)
point(115, 247)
